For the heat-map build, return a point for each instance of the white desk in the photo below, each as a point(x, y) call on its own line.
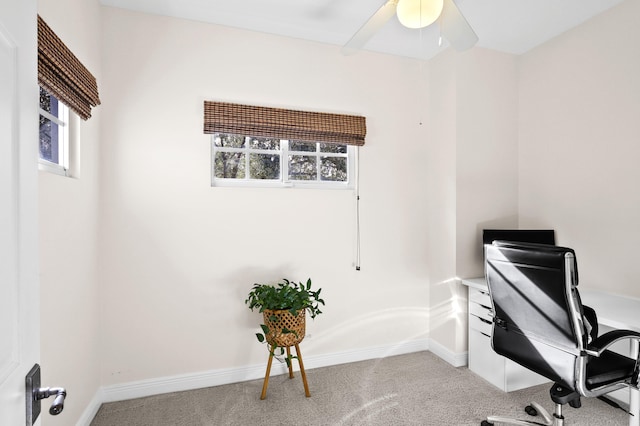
point(616, 311)
point(613, 311)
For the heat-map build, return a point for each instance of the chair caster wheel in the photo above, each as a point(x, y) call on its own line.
point(486, 423)
point(530, 410)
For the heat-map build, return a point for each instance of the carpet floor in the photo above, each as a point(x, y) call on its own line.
point(413, 389)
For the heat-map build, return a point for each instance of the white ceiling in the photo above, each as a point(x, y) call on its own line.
point(511, 26)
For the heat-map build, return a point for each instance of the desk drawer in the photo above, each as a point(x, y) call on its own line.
point(482, 325)
point(479, 297)
point(481, 311)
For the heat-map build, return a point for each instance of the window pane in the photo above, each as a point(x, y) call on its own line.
point(264, 143)
point(333, 169)
point(229, 165)
point(302, 167)
point(302, 146)
point(45, 100)
point(229, 141)
point(48, 102)
point(264, 166)
point(48, 140)
point(334, 148)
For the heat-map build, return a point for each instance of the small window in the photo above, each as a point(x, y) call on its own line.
point(318, 162)
point(253, 161)
point(54, 134)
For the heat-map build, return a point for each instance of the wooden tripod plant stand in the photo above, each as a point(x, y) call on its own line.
point(294, 325)
point(263, 395)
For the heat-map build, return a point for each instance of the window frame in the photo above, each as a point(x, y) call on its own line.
point(284, 153)
point(62, 122)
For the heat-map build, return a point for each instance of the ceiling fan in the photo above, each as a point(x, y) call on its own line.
point(418, 14)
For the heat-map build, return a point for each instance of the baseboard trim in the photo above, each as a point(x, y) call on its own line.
point(209, 378)
point(92, 409)
point(143, 388)
point(453, 358)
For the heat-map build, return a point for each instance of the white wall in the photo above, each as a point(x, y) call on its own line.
point(68, 214)
point(440, 188)
point(179, 257)
point(579, 133)
point(487, 160)
point(473, 155)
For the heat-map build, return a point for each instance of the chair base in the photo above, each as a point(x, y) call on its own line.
point(560, 395)
point(533, 410)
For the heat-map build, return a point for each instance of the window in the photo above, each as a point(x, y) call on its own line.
point(54, 133)
point(65, 85)
point(62, 74)
point(259, 161)
point(264, 146)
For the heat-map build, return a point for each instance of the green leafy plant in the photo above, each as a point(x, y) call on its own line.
point(285, 295)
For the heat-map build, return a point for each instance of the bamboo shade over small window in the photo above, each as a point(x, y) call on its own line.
point(62, 74)
point(220, 117)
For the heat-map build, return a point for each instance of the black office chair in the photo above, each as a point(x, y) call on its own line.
point(540, 323)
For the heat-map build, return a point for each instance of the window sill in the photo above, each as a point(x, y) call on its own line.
point(238, 183)
point(56, 169)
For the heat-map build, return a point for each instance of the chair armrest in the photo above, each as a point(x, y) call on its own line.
point(599, 345)
point(592, 322)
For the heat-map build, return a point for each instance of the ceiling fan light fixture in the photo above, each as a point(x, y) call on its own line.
point(418, 13)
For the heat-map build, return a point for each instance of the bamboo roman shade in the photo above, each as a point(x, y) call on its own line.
point(62, 74)
point(221, 117)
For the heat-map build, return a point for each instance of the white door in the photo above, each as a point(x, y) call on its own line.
point(19, 294)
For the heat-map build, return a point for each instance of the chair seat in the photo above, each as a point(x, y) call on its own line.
point(608, 368)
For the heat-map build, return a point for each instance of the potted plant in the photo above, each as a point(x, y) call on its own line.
point(283, 307)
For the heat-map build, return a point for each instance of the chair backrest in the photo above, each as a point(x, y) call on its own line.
point(538, 319)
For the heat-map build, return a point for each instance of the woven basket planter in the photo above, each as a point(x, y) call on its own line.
point(276, 320)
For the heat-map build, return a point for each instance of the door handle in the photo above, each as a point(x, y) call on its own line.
point(58, 401)
point(34, 394)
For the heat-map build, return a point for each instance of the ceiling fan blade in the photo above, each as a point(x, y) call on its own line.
point(370, 27)
point(455, 28)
